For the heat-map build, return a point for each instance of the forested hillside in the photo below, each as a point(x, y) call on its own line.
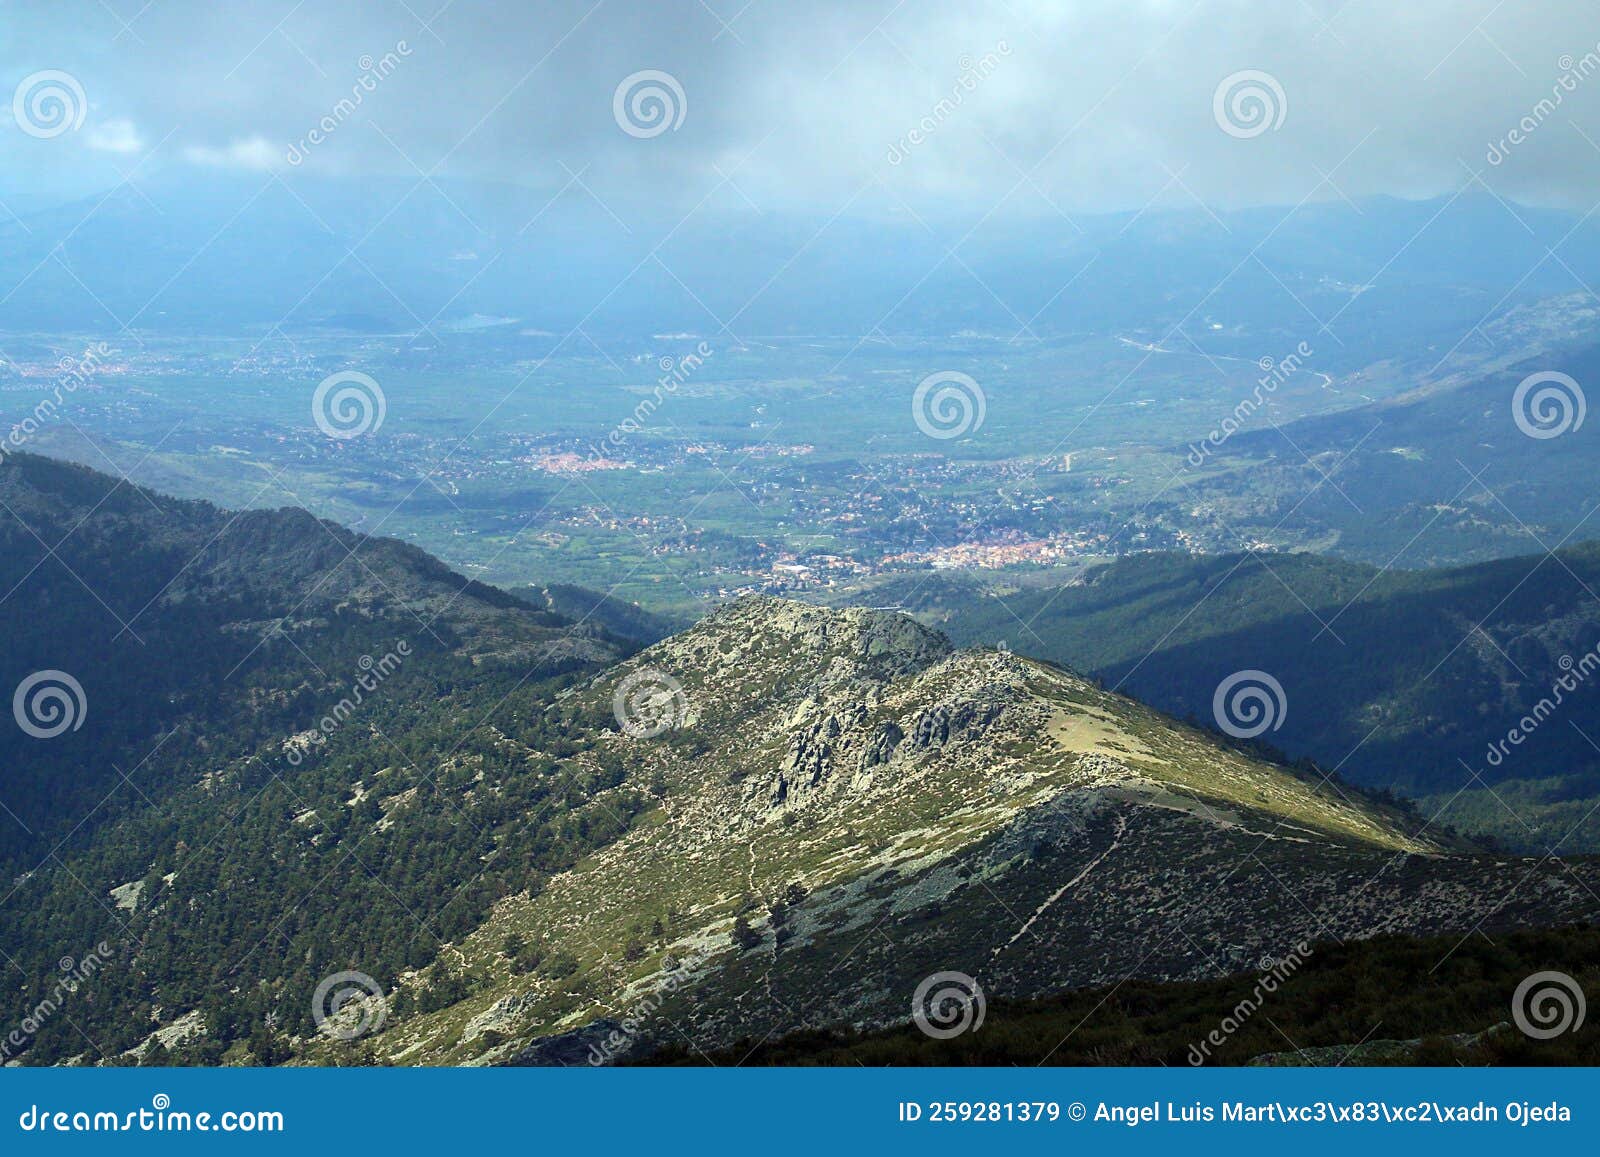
point(268, 709)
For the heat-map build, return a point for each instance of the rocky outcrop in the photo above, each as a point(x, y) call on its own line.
point(504, 1015)
point(938, 725)
point(849, 743)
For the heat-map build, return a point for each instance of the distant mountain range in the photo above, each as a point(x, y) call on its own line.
point(449, 256)
point(283, 754)
point(1449, 471)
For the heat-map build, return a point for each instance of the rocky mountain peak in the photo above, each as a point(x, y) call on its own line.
point(891, 642)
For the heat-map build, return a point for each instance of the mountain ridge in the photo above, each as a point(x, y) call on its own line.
point(1417, 673)
point(785, 817)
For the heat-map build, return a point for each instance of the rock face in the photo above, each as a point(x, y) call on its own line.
point(853, 743)
point(504, 1015)
point(849, 805)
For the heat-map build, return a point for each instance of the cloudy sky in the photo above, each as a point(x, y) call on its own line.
point(826, 106)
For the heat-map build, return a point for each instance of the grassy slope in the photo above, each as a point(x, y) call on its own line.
point(1398, 694)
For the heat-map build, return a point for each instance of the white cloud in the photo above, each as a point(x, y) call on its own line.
point(116, 136)
point(248, 153)
point(1093, 105)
